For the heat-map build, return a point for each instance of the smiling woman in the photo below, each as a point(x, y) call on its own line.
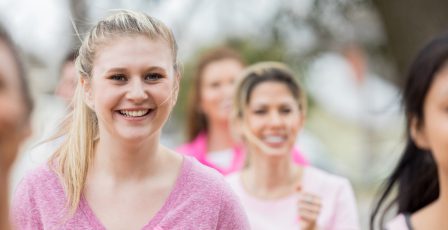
point(111, 172)
point(270, 108)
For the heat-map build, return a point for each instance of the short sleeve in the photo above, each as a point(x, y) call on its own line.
point(231, 213)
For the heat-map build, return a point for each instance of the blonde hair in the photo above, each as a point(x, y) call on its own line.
point(72, 159)
point(266, 72)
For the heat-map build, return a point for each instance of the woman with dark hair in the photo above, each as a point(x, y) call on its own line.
point(16, 106)
point(421, 175)
point(210, 101)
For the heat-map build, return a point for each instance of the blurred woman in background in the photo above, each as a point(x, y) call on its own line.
point(269, 111)
point(15, 111)
point(210, 101)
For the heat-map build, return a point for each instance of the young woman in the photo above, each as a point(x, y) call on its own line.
point(269, 109)
point(16, 106)
point(421, 176)
point(111, 171)
point(208, 132)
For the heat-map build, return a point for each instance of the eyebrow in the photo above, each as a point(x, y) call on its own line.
point(122, 69)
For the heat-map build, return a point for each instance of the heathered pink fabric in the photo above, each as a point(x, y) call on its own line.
point(200, 199)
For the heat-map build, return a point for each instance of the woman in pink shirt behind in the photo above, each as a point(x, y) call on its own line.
point(111, 172)
point(269, 110)
point(210, 101)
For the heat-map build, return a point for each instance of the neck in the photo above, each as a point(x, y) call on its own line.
point(433, 215)
point(127, 161)
point(443, 197)
point(218, 136)
point(271, 176)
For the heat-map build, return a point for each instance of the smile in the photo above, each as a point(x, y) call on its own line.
point(135, 113)
point(274, 139)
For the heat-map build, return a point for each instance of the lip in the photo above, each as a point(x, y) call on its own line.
point(149, 114)
point(276, 144)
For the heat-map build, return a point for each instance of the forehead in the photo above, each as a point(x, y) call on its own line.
point(8, 67)
point(439, 86)
point(222, 68)
point(271, 92)
point(132, 51)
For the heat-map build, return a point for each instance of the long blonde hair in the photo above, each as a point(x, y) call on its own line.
point(72, 159)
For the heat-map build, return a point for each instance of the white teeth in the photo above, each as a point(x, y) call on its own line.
point(274, 139)
point(134, 113)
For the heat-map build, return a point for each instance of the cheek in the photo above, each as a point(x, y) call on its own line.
point(12, 111)
point(255, 123)
point(438, 139)
point(209, 95)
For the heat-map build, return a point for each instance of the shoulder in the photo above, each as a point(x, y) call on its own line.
point(39, 193)
point(397, 223)
point(39, 178)
point(206, 182)
point(198, 174)
point(208, 191)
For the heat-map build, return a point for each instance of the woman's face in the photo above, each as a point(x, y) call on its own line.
point(217, 88)
point(133, 87)
point(273, 117)
point(13, 118)
point(433, 132)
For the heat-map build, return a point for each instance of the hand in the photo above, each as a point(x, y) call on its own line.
point(309, 207)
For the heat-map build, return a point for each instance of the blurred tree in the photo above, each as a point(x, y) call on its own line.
point(408, 25)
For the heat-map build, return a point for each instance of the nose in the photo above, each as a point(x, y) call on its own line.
point(137, 92)
point(228, 90)
point(275, 120)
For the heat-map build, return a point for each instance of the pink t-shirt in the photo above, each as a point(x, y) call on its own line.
point(338, 210)
point(198, 149)
point(200, 199)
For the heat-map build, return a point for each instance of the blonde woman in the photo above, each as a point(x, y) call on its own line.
point(269, 109)
point(111, 171)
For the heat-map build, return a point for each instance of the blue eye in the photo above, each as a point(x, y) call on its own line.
point(118, 77)
point(153, 76)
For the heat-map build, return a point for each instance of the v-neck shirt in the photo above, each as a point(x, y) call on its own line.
point(200, 199)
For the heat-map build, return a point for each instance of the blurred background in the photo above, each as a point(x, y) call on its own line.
point(351, 56)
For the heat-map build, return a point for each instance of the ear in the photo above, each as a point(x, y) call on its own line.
point(418, 134)
point(87, 90)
